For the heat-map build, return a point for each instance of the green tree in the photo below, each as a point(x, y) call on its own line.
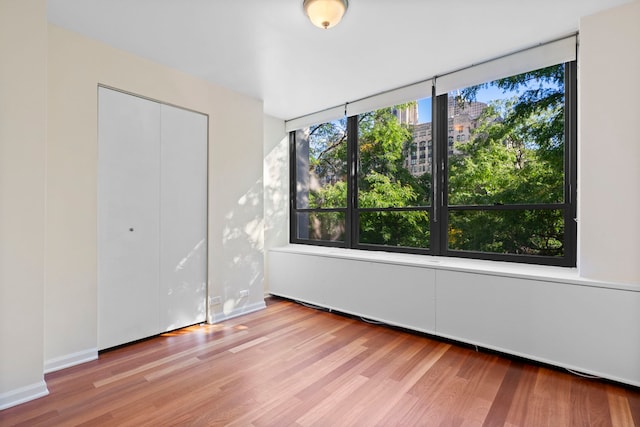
point(326, 187)
point(327, 164)
point(384, 182)
point(515, 156)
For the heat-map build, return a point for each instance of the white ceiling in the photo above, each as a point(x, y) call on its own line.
point(267, 49)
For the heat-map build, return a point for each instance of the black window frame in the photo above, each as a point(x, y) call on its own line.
point(439, 208)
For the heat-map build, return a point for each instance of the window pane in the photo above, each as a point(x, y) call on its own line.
point(526, 232)
point(395, 155)
point(408, 229)
point(321, 166)
point(328, 226)
point(507, 140)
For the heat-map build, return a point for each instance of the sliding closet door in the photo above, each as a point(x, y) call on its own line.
point(152, 216)
point(183, 219)
point(128, 220)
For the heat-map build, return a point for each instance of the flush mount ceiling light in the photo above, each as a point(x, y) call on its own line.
point(325, 13)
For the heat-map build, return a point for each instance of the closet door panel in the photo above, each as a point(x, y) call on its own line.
point(128, 220)
point(183, 218)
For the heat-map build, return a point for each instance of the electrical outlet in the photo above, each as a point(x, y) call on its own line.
point(215, 300)
point(244, 293)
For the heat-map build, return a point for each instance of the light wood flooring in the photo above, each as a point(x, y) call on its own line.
point(293, 365)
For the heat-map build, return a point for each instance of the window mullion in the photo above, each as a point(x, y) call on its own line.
point(351, 235)
point(439, 211)
point(293, 193)
point(435, 173)
point(571, 159)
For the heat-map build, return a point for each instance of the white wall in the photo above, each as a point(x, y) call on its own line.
point(23, 133)
point(609, 145)
point(276, 186)
point(235, 260)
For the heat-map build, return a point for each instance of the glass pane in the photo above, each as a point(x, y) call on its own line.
point(394, 156)
point(328, 226)
point(526, 232)
point(321, 166)
point(408, 229)
point(506, 140)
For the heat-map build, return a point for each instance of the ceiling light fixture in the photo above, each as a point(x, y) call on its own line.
point(325, 13)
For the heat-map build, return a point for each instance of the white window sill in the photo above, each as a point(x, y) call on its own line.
point(494, 268)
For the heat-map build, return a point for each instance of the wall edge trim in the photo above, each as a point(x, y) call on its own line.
point(220, 317)
point(23, 394)
point(69, 360)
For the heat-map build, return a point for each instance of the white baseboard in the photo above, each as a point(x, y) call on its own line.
point(220, 317)
point(69, 360)
point(23, 394)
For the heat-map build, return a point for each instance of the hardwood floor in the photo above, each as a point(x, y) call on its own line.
point(293, 365)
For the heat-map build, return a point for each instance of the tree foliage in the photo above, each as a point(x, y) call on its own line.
point(515, 156)
point(384, 182)
point(328, 165)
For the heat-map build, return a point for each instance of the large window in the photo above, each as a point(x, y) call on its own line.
point(483, 171)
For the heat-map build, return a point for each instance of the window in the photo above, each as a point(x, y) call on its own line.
point(502, 189)
point(509, 188)
point(392, 203)
point(320, 182)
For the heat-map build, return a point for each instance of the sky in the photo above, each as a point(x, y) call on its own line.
point(484, 95)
